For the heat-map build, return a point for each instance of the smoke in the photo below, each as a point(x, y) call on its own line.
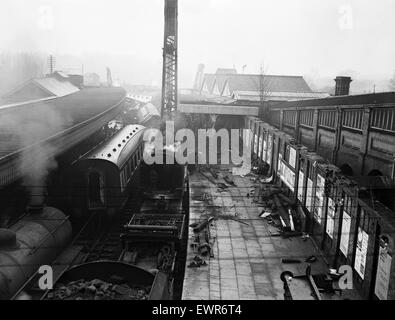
point(18, 67)
point(23, 129)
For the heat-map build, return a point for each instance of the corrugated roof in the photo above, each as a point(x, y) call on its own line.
point(252, 82)
point(271, 83)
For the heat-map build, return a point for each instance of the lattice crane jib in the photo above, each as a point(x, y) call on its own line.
point(169, 75)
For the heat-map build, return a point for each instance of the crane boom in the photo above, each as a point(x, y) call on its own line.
point(170, 63)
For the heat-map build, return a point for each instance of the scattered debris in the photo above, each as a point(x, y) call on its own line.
point(194, 225)
point(202, 225)
point(285, 199)
point(311, 259)
point(305, 236)
point(237, 220)
point(282, 212)
point(282, 222)
point(204, 249)
point(229, 180)
point(291, 260)
point(98, 290)
point(291, 220)
point(265, 214)
point(290, 234)
point(197, 262)
point(213, 172)
point(267, 180)
point(222, 185)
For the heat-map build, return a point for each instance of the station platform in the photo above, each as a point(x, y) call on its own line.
point(246, 251)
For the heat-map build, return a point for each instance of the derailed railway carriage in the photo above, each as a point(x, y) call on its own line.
point(103, 178)
point(346, 222)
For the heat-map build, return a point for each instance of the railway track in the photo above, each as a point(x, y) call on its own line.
point(88, 245)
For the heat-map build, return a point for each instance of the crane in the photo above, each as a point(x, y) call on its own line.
point(170, 62)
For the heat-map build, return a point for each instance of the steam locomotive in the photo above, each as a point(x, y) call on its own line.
point(100, 181)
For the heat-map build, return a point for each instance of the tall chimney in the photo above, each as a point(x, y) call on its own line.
point(199, 77)
point(342, 86)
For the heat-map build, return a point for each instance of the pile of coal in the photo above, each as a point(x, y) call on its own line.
point(98, 290)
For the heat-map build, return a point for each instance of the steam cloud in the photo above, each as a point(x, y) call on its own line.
point(21, 130)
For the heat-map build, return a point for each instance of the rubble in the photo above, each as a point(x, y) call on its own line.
point(197, 262)
point(265, 214)
point(229, 180)
point(98, 290)
point(202, 225)
point(311, 259)
point(291, 261)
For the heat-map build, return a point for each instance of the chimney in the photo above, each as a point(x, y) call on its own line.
point(36, 202)
point(199, 77)
point(342, 86)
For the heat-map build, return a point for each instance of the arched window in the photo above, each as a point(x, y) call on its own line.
point(346, 170)
point(375, 173)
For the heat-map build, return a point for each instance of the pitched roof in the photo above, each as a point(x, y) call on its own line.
point(252, 82)
point(51, 86)
point(208, 81)
point(226, 71)
point(271, 83)
point(62, 74)
point(56, 87)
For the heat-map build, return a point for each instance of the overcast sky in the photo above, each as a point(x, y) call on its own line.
point(295, 37)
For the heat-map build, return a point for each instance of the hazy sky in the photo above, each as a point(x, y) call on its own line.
point(320, 38)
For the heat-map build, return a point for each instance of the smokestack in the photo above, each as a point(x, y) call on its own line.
point(36, 202)
point(199, 77)
point(342, 86)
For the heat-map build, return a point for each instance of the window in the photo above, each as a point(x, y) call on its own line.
point(129, 171)
point(290, 155)
point(138, 156)
point(275, 117)
point(290, 118)
point(124, 178)
point(383, 119)
point(327, 118)
point(307, 117)
point(353, 119)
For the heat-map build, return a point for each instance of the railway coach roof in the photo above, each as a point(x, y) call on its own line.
point(118, 147)
point(25, 124)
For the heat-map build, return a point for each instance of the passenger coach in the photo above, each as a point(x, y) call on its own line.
point(103, 179)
